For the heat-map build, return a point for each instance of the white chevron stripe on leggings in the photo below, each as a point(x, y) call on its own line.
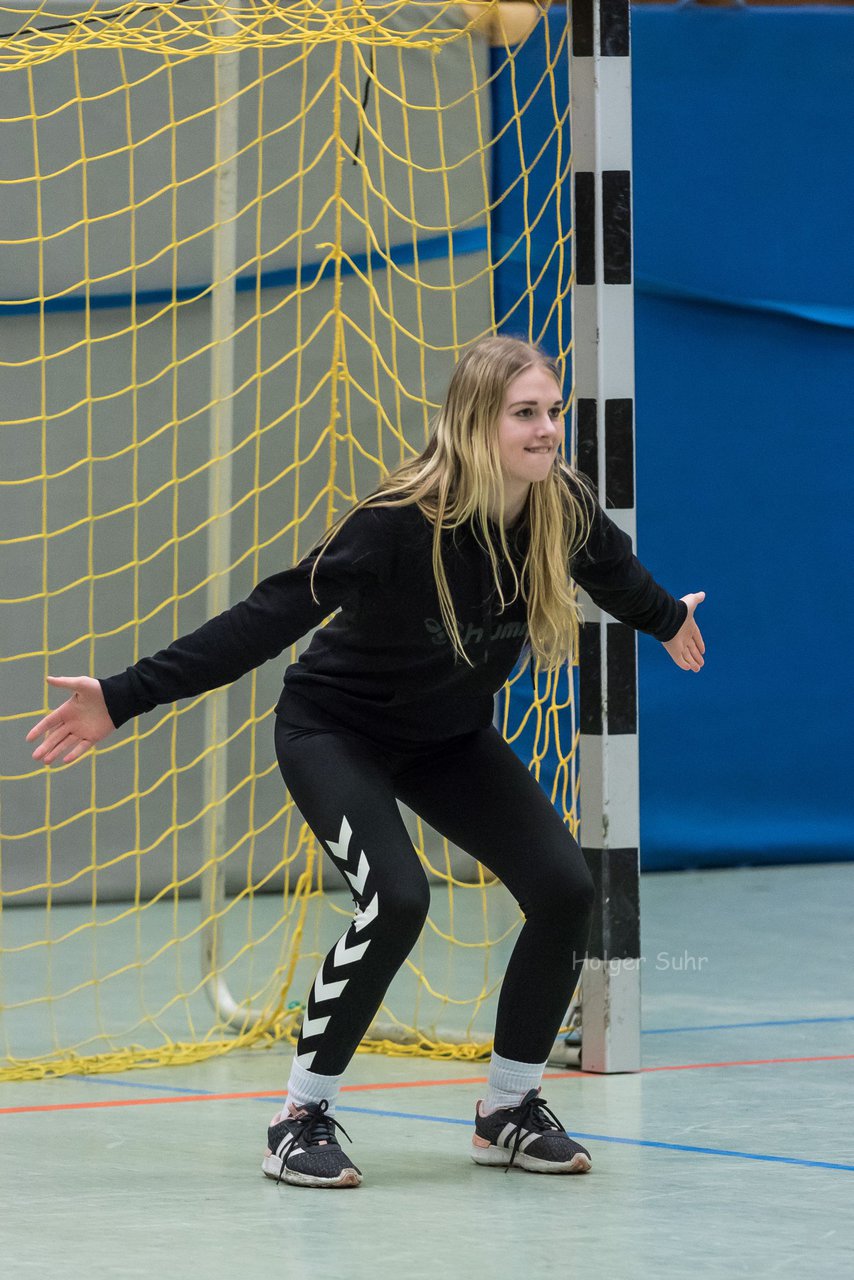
point(345, 954)
point(313, 1026)
point(364, 918)
point(326, 989)
point(340, 848)
point(357, 879)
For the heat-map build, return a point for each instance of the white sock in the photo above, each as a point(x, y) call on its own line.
point(307, 1086)
point(509, 1081)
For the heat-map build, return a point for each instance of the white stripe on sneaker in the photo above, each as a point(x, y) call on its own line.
point(508, 1134)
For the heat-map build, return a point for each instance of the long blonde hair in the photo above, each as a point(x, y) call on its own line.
point(458, 478)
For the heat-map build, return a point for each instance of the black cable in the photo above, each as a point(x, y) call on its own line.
point(364, 105)
point(114, 13)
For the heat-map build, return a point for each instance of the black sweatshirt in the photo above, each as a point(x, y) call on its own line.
point(384, 665)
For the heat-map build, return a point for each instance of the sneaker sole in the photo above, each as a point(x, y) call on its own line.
point(500, 1157)
point(272, 1168)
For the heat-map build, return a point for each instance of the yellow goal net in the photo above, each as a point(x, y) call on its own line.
point(243, 246)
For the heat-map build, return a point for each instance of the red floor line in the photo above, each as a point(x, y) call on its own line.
point(399, 1084)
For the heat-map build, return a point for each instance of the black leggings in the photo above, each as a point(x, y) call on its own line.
point(475, 790)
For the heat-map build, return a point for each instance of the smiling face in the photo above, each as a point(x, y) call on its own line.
point(529, 431)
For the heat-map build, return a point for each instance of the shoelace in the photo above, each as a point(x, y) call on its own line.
point(532, 1114)
point(312, 1129)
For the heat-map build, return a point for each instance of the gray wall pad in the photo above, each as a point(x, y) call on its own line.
point(144, 543)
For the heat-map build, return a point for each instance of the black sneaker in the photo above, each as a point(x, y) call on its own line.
point(529, 1136)
point(302, 1149)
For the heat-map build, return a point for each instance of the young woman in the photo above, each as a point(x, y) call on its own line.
point(456, 563)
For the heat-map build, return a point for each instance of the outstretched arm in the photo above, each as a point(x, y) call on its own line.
point(614, 578)
point(278, 611)
point(274, 616)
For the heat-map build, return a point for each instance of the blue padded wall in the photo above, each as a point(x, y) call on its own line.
point(744, 275)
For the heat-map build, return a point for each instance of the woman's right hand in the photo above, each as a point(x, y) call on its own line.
point(77, 725)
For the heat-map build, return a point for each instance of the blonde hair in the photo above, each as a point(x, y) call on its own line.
point(458, 478)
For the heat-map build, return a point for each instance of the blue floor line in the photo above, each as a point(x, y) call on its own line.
point(130, 1084)
point(591, 1137)
point(731, 1026)
point(629, 1142)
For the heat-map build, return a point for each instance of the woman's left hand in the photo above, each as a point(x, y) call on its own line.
point(687, 648)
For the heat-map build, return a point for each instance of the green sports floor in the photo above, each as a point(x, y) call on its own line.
point(731, 1153)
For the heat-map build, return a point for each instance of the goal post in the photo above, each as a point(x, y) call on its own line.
point(254, 354)
point(603, 330)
